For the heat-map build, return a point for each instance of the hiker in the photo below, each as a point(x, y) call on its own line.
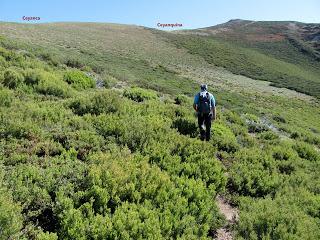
point(205, 106)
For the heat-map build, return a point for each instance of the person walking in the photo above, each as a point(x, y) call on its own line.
point(205, 106)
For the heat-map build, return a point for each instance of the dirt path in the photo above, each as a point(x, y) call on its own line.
point(231, 214)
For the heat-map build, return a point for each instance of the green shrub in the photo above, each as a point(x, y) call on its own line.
point(186, 126)
point(132, 221)
point(48, 148)
point(18, 129)
point(12, 57)
point(181, 112)
point(295, 135)
point(247, 141)
point(188, 157)
point(137, 132)
point(139, 94)
point(82, 223)
point(127, 198)
point(283, 152)
point(78, 79)
point(86, 69)
point(36, 185)
point(83, 141)
point(51, 84)
point(33, 76)
point(74, 63)
point(3, 62)
point(223, 138)
point(198, 161)
point(50, 58)
point(238, 130)
point(12, 79)
point(11, 220)
point(233, 117)
point(47, 236)
point(181, 99)
point(312, 139)
point(268, 135)
point(286, 158)
point(6, 97)
point(102, 102)
point(307, 151)
point(109, 81)
point(81, 106)
point(254, 173)
point(268, 219)
point(279, 118)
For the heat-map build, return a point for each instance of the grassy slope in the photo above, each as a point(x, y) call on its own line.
point(281, 39)
point(260, 50)
point(119, 49)
point(252, 124)
point(129, 53)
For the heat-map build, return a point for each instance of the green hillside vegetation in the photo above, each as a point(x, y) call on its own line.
point(150, 58)
point(255, 63)
point(85, 163)
point(126, 53)
point(287, 40)
point(124, 161)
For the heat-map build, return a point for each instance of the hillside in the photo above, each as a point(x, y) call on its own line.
point(284, 53)
point(112, 48)
point(98, 138)
point(261, 35)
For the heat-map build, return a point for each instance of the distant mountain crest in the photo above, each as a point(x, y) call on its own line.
point(305, 36)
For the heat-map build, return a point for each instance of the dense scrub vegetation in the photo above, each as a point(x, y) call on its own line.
point(78, 162)
point(112, 67)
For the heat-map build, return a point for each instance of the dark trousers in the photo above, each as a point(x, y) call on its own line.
point(204, 122)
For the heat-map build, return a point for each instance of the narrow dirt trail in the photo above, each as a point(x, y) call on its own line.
point(231, 215)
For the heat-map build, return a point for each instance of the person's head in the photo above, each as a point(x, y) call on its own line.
point(203, 87)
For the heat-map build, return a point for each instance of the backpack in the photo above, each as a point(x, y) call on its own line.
point(204, 102)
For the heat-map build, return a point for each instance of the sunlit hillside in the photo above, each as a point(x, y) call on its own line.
point(99, 140)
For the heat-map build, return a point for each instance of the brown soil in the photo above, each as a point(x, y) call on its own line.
point(231, 215)
point(265, 37)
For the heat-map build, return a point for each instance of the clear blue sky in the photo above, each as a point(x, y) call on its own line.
point(192, 13)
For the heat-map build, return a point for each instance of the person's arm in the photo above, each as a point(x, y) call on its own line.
point(195, 107)
point(214, 114)
point(213, 109)
point(195, 102)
